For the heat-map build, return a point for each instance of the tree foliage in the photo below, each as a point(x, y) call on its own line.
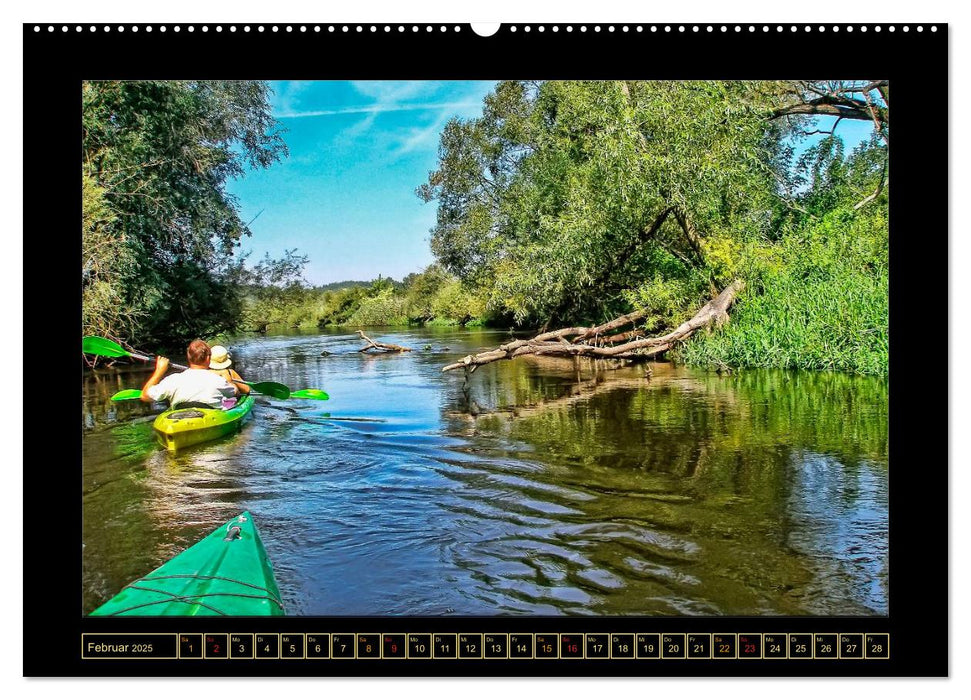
point(275, 294)
point(157, 156)
point(272, 290)
point(564, 194)
point(106, 262)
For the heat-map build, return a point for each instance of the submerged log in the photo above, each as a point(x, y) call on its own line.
point(589, 342)
point(380, 347)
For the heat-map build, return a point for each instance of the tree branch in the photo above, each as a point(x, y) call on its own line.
point(883, 175)
point(383, 347)
point(714, 313)
point(690, 232)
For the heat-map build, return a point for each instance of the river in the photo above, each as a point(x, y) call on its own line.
point(545, 486)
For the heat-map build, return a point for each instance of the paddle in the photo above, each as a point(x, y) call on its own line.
point(127, 395)
point(316, 394)
point(94, 345)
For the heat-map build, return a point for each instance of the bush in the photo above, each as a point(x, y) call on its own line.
point(822, 303)
point(383, 309)
point(452, 301)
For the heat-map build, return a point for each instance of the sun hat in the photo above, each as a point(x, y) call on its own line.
point(219, 358)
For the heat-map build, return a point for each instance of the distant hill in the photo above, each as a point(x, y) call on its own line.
point(334, 286)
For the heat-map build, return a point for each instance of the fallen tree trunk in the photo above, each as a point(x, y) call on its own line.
point(382, 347)
point(588, 342)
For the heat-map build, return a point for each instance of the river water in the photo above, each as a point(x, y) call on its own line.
point(543, 486)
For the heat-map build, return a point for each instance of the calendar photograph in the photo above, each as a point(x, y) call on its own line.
point(507, 347)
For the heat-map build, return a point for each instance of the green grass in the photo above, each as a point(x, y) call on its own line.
point(823, 304)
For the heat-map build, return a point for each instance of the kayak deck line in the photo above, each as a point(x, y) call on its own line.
point(226, 573)
point(193, 598)
point(207, 578)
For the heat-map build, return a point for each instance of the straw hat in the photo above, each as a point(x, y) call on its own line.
point(219, 358)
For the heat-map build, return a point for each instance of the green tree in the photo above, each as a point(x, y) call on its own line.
point(830, 178)
point(818, 296)
point(274, 290)
point(158, 154)
point(572, 202)
point(336, 307)
point(564, 195)
point(107, 260)
point(381, 307)
point(420, 291)
point(454, 303)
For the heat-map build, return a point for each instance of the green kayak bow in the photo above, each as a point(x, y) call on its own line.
point(226, 573)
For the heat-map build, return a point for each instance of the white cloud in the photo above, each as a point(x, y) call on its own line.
point(387, 92)
point(427, 137)
point(374, 109)
point(388, 96)
point(287, 94)
point(379, 97)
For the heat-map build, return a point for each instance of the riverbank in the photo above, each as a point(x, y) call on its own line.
point(815, 298)
point(821, 301)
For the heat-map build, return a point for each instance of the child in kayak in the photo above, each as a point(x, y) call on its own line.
point(221, 363)
point(196, 387)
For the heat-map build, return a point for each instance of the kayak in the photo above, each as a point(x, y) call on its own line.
point(227, 573)
point(181, 427)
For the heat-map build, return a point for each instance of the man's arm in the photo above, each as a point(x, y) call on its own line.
point(241, 388)
point(161, 367)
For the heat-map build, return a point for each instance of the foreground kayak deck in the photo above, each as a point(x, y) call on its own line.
point(227, 573)
point(182, 427)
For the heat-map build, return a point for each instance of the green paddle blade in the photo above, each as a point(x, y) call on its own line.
point(315, 394)
point(93, 345)
point(274, 389)
point(127, 395)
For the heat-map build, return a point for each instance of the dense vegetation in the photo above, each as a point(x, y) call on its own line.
point(278, 296)
point(565, 202)
point(159, 231)
point(818, 295)
point(574, 202)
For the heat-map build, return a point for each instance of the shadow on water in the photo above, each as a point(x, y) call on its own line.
point(541, 486)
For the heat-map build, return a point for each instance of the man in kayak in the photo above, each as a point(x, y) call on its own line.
point(195, 387)
point(221, 363)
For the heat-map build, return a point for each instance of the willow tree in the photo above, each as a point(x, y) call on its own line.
point(160, 229)
point(565, 198)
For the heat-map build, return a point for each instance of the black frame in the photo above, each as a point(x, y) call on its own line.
point(918, 619)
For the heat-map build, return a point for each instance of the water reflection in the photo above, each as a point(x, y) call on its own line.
point(540, 486)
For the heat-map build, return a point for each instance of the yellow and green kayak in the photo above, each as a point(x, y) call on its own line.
point(181, 427)
point(227, 573)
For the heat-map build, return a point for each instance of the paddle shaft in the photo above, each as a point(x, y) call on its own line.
point(173, 365)
point(146, 358)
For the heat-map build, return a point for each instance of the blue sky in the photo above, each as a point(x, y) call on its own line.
point(346, 195)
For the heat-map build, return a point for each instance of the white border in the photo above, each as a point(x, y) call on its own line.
point(515, 10)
